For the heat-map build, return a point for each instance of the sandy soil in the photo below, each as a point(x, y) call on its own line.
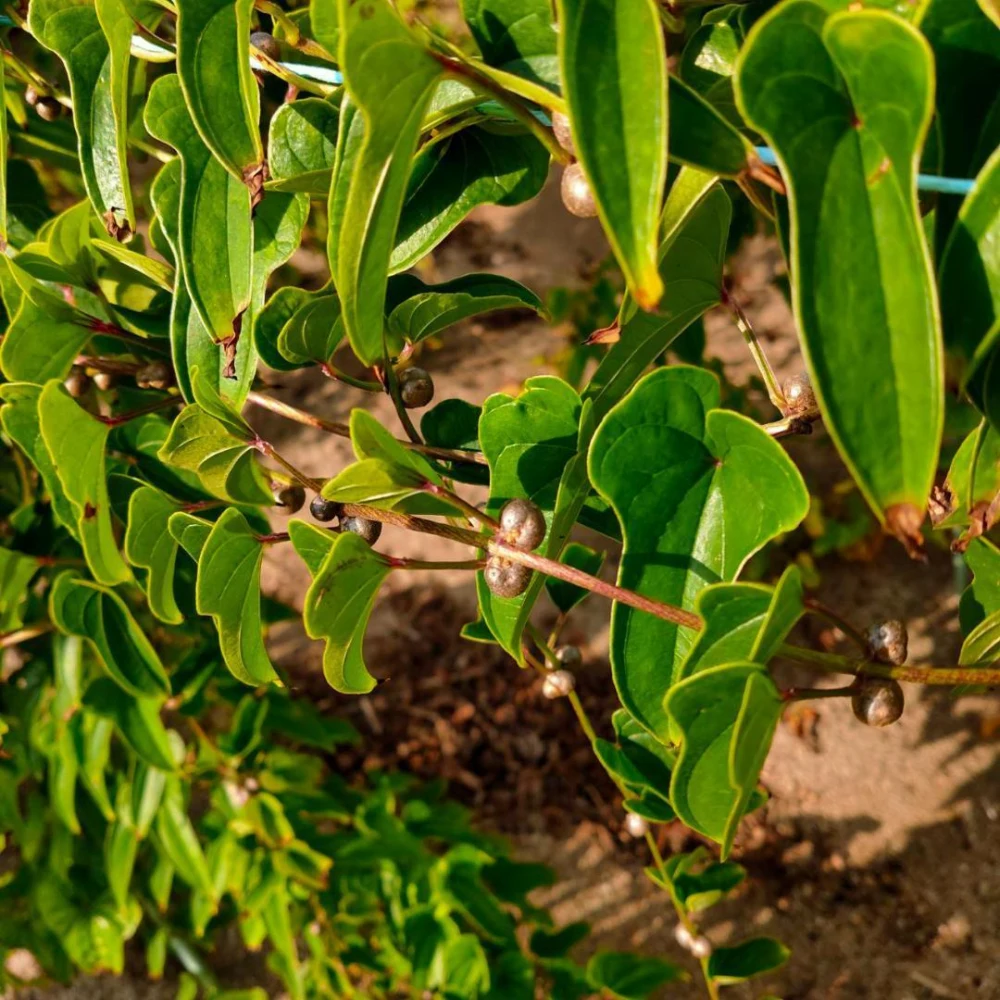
point(878, 857)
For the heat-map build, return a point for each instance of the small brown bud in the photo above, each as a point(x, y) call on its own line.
point(105, 381)
point(558, 684)
point(563, 133)
point(363, 527)
point(522, 524)
point(48, 109)
point(506, 578)
point(416, 388)
point(577, 195)
point(887, 641)
point(266, 44)
point(877, 702)
point(155, 375)
point(77, 382)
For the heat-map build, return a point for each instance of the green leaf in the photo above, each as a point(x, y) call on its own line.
point(16, 572)
point(179, 841)
point(391, 78)
point(702, 889)
point(189, 532)
point(213, 63)
point(4, 148)
point(228, 589)
point(92, 940)
point(275, 314)
point(429, 309)
point(701, 137)
point(708, 65)
point(225, 463)
point(982, 597)
point(136, 718)
point(324, 15)
point(517, 36)
point(20, 421)
point(337, 607)
point(480, 165)
point(697, 491)
point(555, 944)
point(148, 544)
point(302, 143)
point(528, 440)
point(452, 423)
point(614, 73)
point(629, 976)
point(45, 333)
point(99, 89)
point(970, 273)
point(855, 226)
point(746, 960)
point(566, 596)
point(726, 716)
point(968, 496)
point(214, 236)
point(84, 608)
point(695, 227)
point(313, 332)
point(75, 442)
point(154, 272)
point(94, 768)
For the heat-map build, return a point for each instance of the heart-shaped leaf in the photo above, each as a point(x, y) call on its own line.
point(480, 165)
point(100, 90)
point(517, 36)
point(137, 719)
point(855, 226)
point(149, 544)
point(214, 234)
point(697, 491)
point(96, 613)
point(213, 63)
point(614, 74)
point(76, 442)
point(743, 961)
point(228, 589)
point(726, 717)
point(302, 143)
point(631, 977)
point(424, 310)
point(337, 607)
point(390, 77)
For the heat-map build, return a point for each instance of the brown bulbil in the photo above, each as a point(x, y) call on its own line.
point(155, 375)
point(77, 383)
point(48, 109)
point(887, 641)
point(561, 130)
point(506, 578)
point(361, 526)
point(877, 702)
point(30, 96)
point(105, 381)
point(416, 388)
point(522, 525)
point(799, 397)
point(266, 44)
point(577, 195)
point(291, 498)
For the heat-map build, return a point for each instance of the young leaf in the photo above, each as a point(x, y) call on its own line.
point(84, 608)
point(856, 226)
point(214, 233)
point(695, 227)
point(189, 532)
point(136, 718)
point(75, 442)
point(213, 64)
point(982, 597)
point(99, 90)
point(726, 717)
point(313, 332)
point(337, 607)
point(697, 491)
point(746, 960)
point(630, 977)
point(391, 78)
point(708, 65)
point(148, 544)
point(228, 589)
point(614, 73)
point(424, 310)
point(480, 165)
point(16, 572)
point(302, 143)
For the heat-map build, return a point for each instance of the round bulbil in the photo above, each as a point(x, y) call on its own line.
point(635, 825)
point(800, 399)
point(558, 684)
point(48, 109)
point(577, 195)
point(416, 388)
point(561, 130)
point(155, 375)
point(77, 382)
point(324, 510)
point(291, 498)
point(266, 44)
point(569, 656)
point(105, 381)
point(506, 578)
point(887, 641)
point(362, 526)
point(522, 525)
point(877, 702)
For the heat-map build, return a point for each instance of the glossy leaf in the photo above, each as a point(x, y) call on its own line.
point(697, 491)
point(16, 572)
point(391, 79)
point(701, 137)
point(214, 234)
point(75, 442)
point(860, 268)
point(99, 90)
point(189, 532)
point(708, 64)
point(337, 607)
point(314, 331)
point(213, 64)
point(726, 717)
point(631, 977)
point(746, 960)
point(695, 227)
point(148, 544)
point(566, 596)
point(228, 589)
point(982, 597)
point(84, 608)
point(480, 165)
point(302, 142)
point(614, 74)
point(425, 310)
point(179, 841)
point(516, 35)
point(136, 718)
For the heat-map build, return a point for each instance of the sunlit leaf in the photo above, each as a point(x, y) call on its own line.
point(148, 544)
point(302, 142)
point(136, 718)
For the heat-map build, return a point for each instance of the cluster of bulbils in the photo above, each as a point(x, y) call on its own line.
point(878, 701)
point(577, 195)
point(46, 107)
point(522, 527)
point(155, 375)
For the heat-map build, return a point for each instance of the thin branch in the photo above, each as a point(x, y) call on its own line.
point(411, 523)
point(819, 609)
point(473, 513)
point(399, 562)
point(20, 635)
point(124, 418)
point(760, 358)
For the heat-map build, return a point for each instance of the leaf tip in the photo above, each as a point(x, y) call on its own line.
point(903, 521)
point(649, 291)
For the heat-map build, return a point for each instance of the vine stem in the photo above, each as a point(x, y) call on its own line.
point(268, 449)
point(820, 610)
point(743, 324)
point(561, 571)
point(398, 562)
point(124, 418)
point(473, 513)
point(20, 635)
point(96, 325)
